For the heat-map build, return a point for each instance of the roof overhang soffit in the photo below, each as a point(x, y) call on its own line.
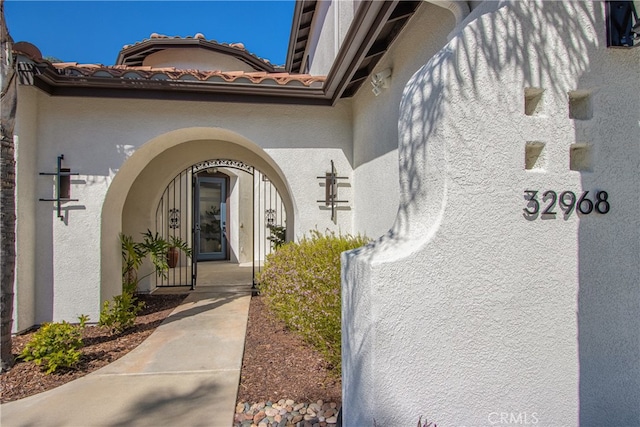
point(52, 81)
point(375, 26)
point(303, 15)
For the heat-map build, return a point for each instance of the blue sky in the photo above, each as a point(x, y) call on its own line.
point(95, 31)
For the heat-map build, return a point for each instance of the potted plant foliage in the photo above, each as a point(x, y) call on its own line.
point(176, 245)
point(162, 254)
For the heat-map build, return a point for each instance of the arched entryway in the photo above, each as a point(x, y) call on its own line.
point(224, 210)
point(137, 188)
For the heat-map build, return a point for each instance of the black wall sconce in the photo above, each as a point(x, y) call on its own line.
point(331, 191)
point(63, 186)
point(623, 28)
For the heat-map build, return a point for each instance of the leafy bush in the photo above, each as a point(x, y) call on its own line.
point(56, 345)
point(122, 314)
point(277, 235)
point(301, 285)
point(155, 247)
point(133, 255)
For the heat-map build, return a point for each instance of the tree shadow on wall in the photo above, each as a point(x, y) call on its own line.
point(516, 59)
point(489, 49)
point(608, 322)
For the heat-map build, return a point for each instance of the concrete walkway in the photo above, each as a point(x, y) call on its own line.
point(185, 374)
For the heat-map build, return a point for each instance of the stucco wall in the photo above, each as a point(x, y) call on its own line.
point(241, 219)
point(331, 23)
point(99, 136)
point(375, 120)
point(467, 310)
point(195, 59)
point(26, 204)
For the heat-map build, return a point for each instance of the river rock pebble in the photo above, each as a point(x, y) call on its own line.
point(286, 413)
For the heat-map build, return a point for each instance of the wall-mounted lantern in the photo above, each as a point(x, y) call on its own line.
point(623, 27)
point(331, 191)
point(380, 81)
point(63, 186)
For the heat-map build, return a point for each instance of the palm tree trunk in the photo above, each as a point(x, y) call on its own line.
point(7, 191)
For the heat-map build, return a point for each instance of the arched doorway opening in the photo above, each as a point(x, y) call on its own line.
point(135, 191)
point(224, 210)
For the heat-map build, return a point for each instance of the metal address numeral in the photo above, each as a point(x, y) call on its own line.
point(583, 199)
point(530, 196)
point(567, 207)
point(601, 199)
point(567, 201)
point(554, 197)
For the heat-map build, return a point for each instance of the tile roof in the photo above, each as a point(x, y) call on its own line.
point(73, 69)
point(128, 73)
point(134, 54)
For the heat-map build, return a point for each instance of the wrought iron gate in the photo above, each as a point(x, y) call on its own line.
point(178, 217)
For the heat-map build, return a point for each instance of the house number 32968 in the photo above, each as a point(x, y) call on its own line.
point(567, 201)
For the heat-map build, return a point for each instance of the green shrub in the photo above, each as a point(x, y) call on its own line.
point(122, 314)
point(277, 235)
point(56, 345)
point(155, 247)
point(301, 285)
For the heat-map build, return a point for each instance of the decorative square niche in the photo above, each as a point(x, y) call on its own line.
point(580, 107)
point(534, 156)
point(533, 101)
point(580, 157)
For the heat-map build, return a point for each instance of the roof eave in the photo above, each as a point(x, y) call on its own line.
point(295, 27)
point(375, 26)
point(364, 45)
point(301, 27)
point(57, 85)
point(366, 24)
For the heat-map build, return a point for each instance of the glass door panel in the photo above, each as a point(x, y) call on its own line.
point(211, 216)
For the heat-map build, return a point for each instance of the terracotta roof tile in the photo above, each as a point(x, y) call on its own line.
point(76, 72)
point(150, 73)
point(27, 49)
point(199, 36)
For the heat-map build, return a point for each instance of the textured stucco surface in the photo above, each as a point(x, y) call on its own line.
point(195, 59)
point(76, 262)
point(375, 121)
point(26, 205)
point(331, 22)
point(466, 309)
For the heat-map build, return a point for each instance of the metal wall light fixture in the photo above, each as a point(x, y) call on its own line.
point(63, 186)
point(623, 26)
point(331, 191)
point(380, 81)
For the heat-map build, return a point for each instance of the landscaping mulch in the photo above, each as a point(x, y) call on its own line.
point(278, 364)
point(100, 348)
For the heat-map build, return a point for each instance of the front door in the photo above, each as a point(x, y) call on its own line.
point(211, 216)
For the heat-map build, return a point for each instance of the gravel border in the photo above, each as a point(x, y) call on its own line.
point(287, 413)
